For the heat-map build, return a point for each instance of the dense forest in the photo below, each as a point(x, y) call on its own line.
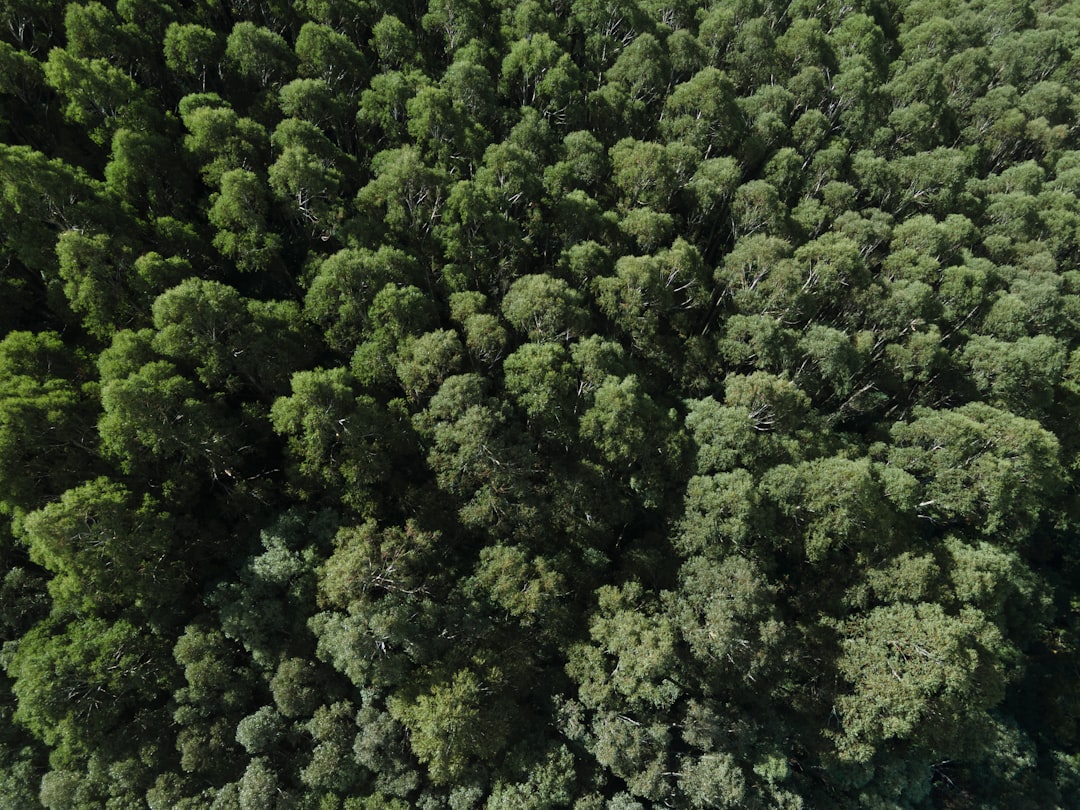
point(593, 404)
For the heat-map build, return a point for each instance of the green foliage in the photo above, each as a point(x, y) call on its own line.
point(105, 550)
point(592, 404)
point(336, 438)
point(96, 94)
point(46, 420)
point(81, 684)
point(917, 672)
point(452, 727)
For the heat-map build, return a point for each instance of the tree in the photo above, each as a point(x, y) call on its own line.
point(397, 314)
point(159, 423)
point(229, 341)
point(258, 56)
point(394, 43)
point(763, 421)
point(920, 674)
point(46, 420)
point(451, 730)
point(340, 294)
point(217, 689)
point(1020, 375)
point(633, 437)
point(406, 196)
point(96, 94)
point(382, 105)
point(191, 50)
point(95, 269)
point(456, 22)
point(83, 683)
point(220, 139)
point(240, 212)
point(337, 439)
point(326, 54)
point(107, 551)
point(424, 362)
point(436, 126)
point(536, 72)
point(607, 28)
point(702, 113)
point(980, 467)
point(539, 378)
point(307, 176)
point(478, 458)
point(128, 176)
point(544, 308)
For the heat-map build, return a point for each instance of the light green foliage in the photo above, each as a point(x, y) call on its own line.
point(306, 177)
point(1020, 376)
point(79, 684)
point(398, 314)
point(339, 295)
point(474, 455)
point(326, 54)
point(335, 436)
point(45, 420)
point(549, 785)
point(96, 94)
point(527, 589)
point(919, 673)
point(156, 415)
point(537, 73)
point(192, 50)
point(980, 467)
point(456, 22)
point(713, 780)
point(424, 362)
point(544, 308)
point(239, 212)
point(332, 765)
point(105, 549)
point(94, 270)
point(405, 194)
point(260, 787)
point(393, 42)
point(702, 113)
point(764, 420)
point(220, 139)
point(452, 727)
point(632, 434)
point(540, 380)
point(632, 656)
point(227, 340)
point(139, 171)
point(651, 296)
point(257, 55)
point(719, 514)
point(368, 561)
point(260, 732)
point(58, 198)
point(723, 610)
point(838, 502)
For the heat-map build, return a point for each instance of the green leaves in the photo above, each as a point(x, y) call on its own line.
point(981, 468)
point(84, 683)
point(106, 551)
point(681, 402)
point(920, 674)
point(45, 420)
point(451, 726)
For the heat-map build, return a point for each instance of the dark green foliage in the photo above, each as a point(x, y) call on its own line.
point(593, 404)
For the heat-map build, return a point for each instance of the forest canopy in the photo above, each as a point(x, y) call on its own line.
point(592, 404)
